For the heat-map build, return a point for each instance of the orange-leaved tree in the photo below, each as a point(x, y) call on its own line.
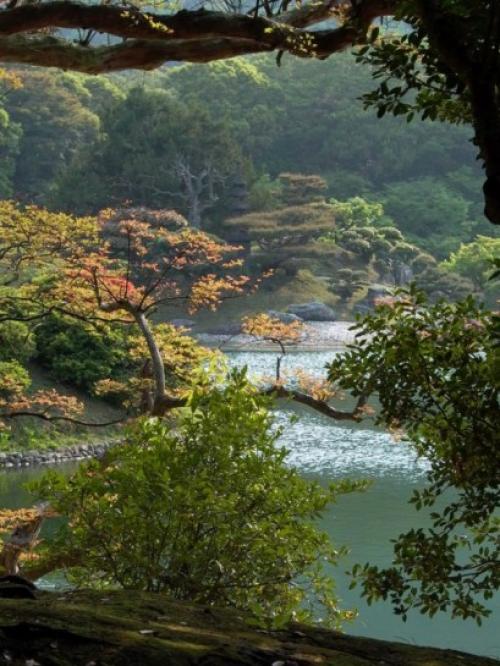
point(116, 270)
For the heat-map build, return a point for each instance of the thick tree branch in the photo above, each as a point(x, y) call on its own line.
point(53, 418)
point(190, 36)
point(319, 405)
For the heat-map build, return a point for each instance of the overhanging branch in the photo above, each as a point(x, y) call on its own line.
point(149, 40)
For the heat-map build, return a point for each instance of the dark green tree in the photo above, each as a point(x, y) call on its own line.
point(434, 369)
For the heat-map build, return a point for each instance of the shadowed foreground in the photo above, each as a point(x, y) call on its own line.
point(136, 629)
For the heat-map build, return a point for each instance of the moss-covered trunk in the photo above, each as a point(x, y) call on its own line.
point(135, 629)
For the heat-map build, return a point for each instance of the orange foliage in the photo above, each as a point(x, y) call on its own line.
point(273, 329)
point(318, 388)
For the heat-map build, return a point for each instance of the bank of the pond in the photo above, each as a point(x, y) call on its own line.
point(139, 629)
point(30, 458)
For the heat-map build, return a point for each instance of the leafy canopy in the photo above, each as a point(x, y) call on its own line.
point(206, 511)
point(434, 370)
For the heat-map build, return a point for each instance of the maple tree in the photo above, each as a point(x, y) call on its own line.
point(114, 270)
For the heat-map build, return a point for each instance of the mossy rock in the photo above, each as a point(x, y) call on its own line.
point(139, 629)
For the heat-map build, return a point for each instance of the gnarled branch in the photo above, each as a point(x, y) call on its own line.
point(191, 36)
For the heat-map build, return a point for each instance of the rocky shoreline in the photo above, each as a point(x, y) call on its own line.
point(31, 458)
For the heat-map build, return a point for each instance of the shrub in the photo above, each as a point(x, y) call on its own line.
point(391, 233)
point(422, 262)
point(14, 379)
point(16, 342)
point(207, 512)
point(77, 353)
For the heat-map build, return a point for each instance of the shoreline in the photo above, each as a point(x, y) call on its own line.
point(17, 460)
point(317, 337)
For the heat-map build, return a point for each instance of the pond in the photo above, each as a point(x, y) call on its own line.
point(366, 522)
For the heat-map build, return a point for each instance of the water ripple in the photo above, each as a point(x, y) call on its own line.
point(317, 445)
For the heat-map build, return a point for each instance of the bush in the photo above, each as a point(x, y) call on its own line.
point(359, 246)
point(207, 512)
point(16, 342)
point(391, 233)
point(76, 353)
point(14, 379)
point(422, 262)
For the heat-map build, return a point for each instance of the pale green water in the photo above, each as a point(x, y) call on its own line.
point(366, 522)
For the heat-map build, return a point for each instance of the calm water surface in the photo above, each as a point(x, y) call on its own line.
point(366, 522)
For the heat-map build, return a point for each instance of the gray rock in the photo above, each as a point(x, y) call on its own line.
point(285, 317)
point(184, 323)
point(313, 311)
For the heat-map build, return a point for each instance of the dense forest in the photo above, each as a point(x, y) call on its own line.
point(401, 200)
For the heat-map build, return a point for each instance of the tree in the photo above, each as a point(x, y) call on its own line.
point(285, 236)
point(155, 151)
point(55, 121)
point(116, 284)
point(207, 512)
point(456, 41)
point(431, 213)
point(434, 370)
point(473, 260)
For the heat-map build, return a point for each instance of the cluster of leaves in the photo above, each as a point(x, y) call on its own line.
point(208, 511)
point(434, 370)
point(78, 353)
point(474, 260)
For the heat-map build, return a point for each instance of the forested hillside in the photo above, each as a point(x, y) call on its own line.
point(211, 143)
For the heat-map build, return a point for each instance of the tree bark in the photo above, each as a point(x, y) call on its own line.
point(158, 367)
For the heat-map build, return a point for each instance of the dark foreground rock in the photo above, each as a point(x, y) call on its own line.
point(134, 629)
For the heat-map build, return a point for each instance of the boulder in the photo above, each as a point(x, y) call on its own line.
point(284, 317)
point(313, 311)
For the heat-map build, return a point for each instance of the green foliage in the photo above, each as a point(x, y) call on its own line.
point(55, 124)
point(264, 193)
point(414, 79)
point(16, 342)
point(10, 136)
point(139, 150)
point(438, 283)
point(434, 369)
point(347, 281)
point(473, 260)
point(78, 353)
point(357, 212)
point(206, 511)
point(424, 208)
point(14, 379)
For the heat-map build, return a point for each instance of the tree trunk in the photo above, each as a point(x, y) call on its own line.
point(486, 115)
point(158, 367)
